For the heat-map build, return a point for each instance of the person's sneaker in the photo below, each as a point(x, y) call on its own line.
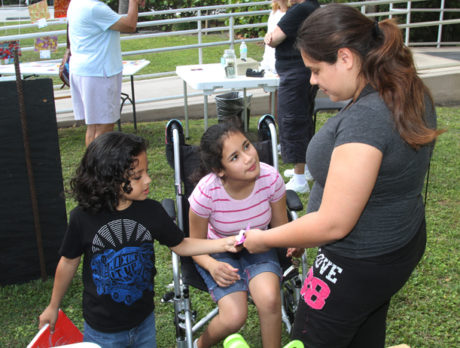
point(292, 185)
point(289, 173)
point(308, 175)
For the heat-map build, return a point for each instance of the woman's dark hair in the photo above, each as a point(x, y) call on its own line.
point(106, 168)
point(211, 146)
point(386, 63)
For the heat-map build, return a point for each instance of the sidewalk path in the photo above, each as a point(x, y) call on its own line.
point(439, 68)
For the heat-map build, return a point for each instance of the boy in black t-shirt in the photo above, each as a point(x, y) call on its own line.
point(114, 226)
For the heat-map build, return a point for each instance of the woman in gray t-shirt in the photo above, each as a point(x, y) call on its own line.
point(369, 162)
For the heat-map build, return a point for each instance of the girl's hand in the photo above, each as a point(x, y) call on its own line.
point(254, 241)
point(49, 316)
point(295, 252)
point(224, 274)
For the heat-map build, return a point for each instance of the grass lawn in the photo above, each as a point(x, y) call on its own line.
point(425, 313)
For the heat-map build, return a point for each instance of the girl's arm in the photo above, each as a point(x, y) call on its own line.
point(222, 273)
point(279, 217)
point(351, 178)
point(279, 212)
point(65, 272)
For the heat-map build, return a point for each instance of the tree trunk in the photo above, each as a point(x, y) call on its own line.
point(123, 6)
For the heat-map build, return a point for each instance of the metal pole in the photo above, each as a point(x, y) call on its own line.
point(231, 33)
point(441, 18)
point(200, 50)
point(30, 174)
point(409, 6)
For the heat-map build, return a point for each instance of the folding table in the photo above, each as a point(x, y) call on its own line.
point(209, 77)
point(47, 68)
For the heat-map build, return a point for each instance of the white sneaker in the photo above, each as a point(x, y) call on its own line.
point(292, 185)
point(308, 175)
point(289, 173)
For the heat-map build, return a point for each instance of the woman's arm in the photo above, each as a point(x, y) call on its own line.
point(351, 178)
point(274, 38)
point(65, 272)
point(128, 23)
point(222, 273)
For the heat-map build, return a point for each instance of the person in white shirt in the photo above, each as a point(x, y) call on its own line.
point(95, 63)
point(279, 8)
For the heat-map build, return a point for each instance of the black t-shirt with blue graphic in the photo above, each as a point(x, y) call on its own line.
point(119, 261)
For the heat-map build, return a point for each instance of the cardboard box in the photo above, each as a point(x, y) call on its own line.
point(242, 66)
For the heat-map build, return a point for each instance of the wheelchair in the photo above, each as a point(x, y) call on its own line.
point(184, 158)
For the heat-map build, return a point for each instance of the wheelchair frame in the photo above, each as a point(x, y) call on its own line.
point(292, 280)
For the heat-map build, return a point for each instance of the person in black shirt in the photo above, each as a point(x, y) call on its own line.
point(296, 97)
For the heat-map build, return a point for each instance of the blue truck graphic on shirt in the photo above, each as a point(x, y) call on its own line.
point(123, 274)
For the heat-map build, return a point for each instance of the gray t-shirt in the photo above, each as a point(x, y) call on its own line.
point(395, 208)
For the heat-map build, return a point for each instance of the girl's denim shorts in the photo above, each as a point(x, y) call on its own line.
point(248, 265)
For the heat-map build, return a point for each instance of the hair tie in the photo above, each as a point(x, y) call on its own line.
point(376, 29)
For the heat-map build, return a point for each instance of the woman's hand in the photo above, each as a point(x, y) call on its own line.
point(268, 39)
point(49, 316)
point(295, 252)
point(254, 241)
point(224, 274)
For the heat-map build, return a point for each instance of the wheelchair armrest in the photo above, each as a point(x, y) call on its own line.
point(168, 205)
point(293, 201)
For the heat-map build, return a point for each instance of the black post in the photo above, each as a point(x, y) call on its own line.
point(30, 174)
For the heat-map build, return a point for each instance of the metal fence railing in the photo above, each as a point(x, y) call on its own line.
point(225, 16)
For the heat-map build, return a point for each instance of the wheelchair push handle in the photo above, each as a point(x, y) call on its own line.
point(171, 126)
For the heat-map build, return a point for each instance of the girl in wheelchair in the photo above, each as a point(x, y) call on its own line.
point(236, 192)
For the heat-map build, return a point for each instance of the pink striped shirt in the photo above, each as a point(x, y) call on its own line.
point(226, 215)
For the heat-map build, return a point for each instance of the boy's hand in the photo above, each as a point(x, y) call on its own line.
point(231, 245)
point(49, 316)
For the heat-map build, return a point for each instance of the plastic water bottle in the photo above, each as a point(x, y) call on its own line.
point(243, 51)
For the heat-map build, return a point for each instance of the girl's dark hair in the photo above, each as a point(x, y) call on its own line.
point(386, 63)
point(106, 168)
point(211, 146)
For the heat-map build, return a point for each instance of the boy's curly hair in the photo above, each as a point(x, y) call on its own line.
point(105, 170)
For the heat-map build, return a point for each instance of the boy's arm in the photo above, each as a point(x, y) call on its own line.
point(196, 246)
point(65, 272)
point(223, 274)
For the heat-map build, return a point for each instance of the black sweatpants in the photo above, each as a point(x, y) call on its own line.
point(345, 301)
point(296, 102)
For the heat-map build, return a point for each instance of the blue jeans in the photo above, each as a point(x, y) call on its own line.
point(249, 265)
point(141, 336)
